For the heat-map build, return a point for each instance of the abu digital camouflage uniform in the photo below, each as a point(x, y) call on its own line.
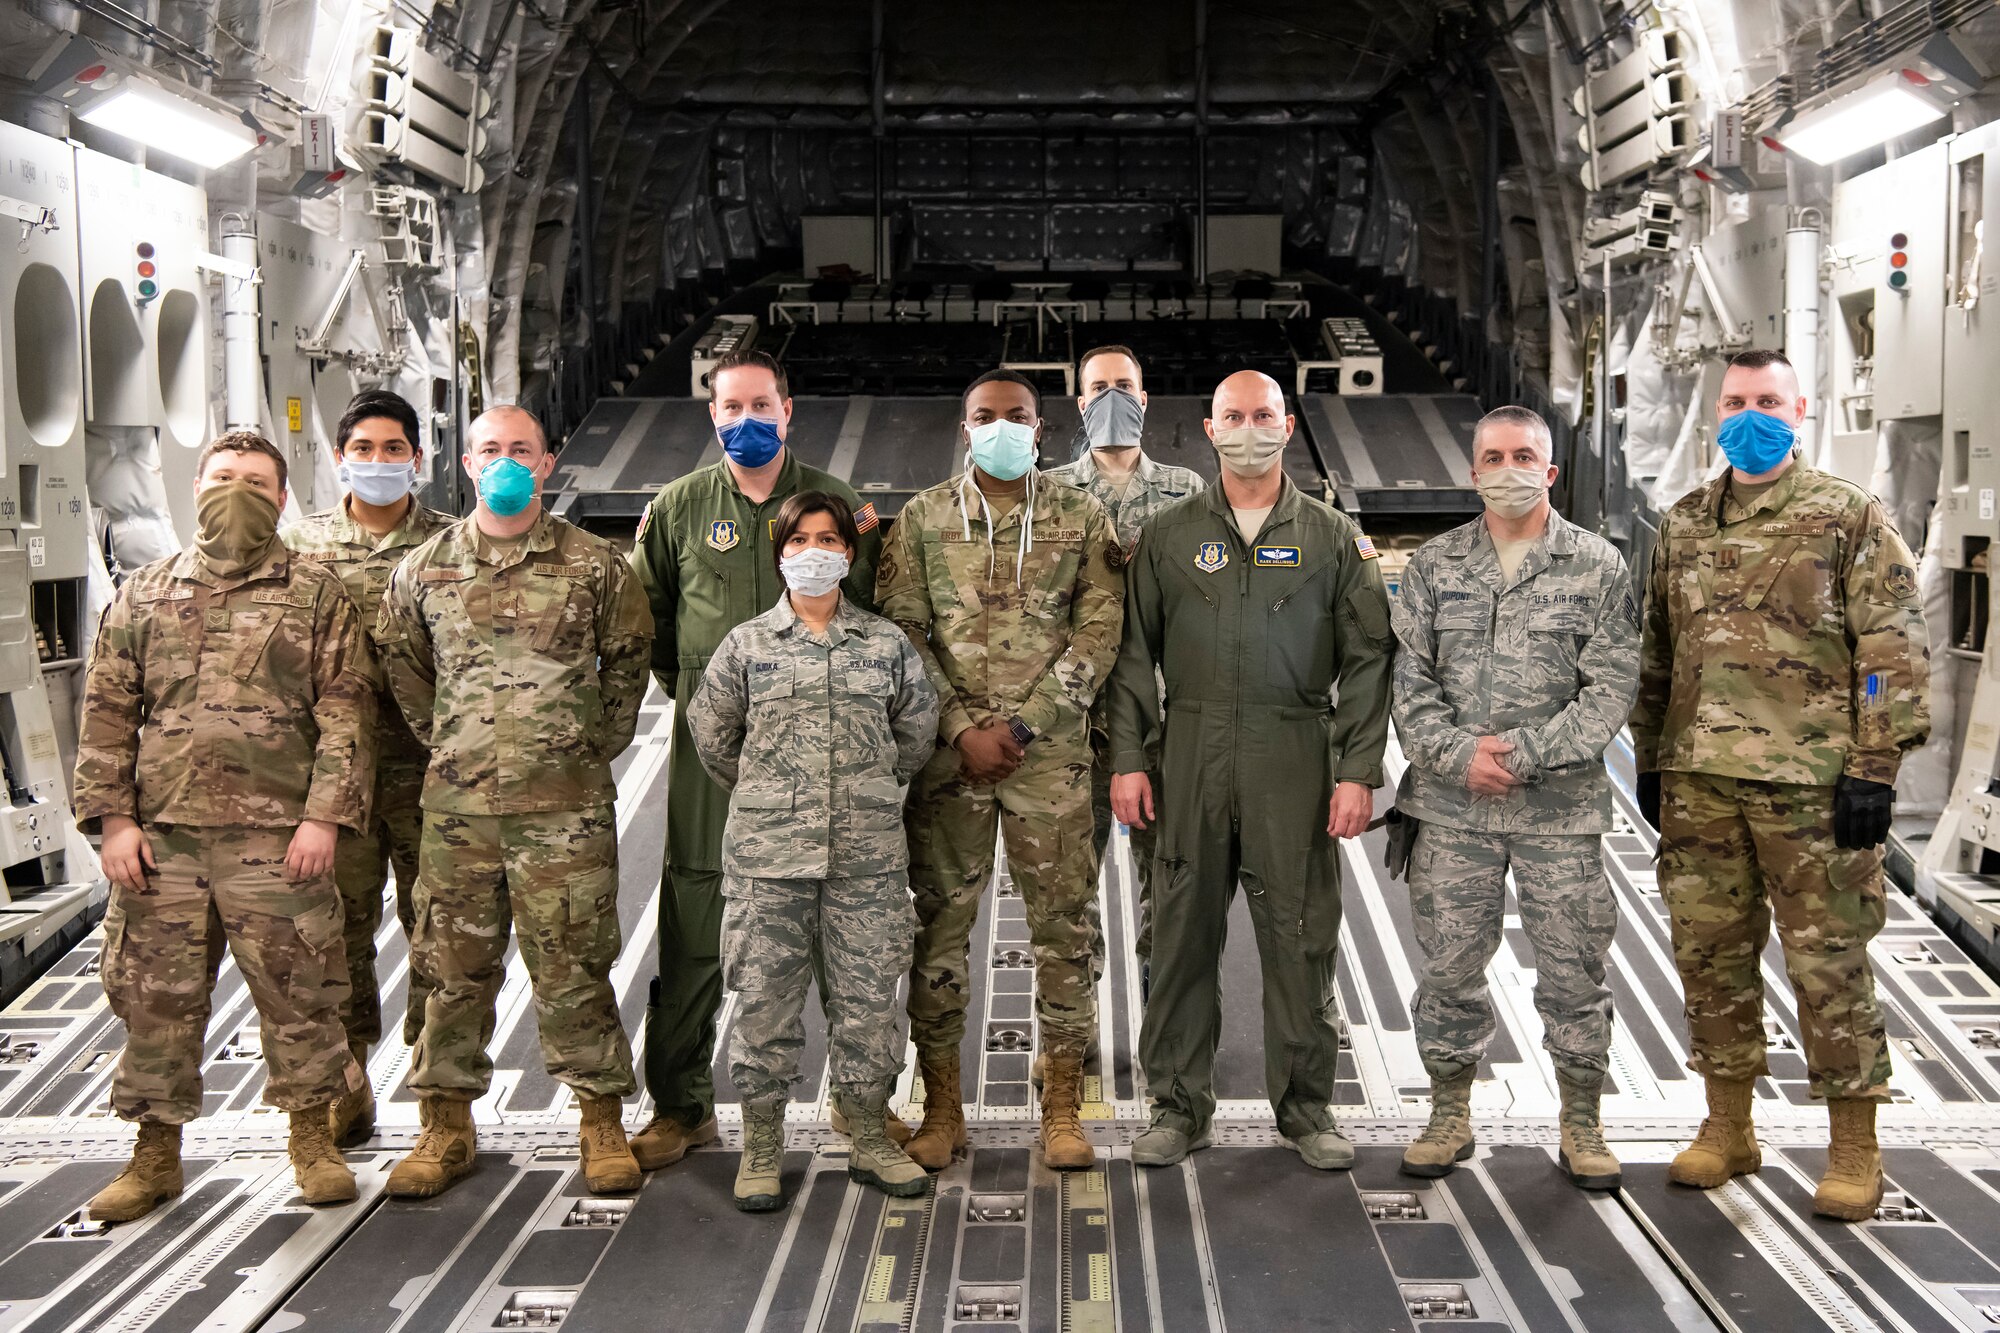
point(521, 665)
point(813, 737)
point(1276, 655)
point(1549, 663)
point(1153, 487)
point(704, 558)
point(1784, 646)
point(362, 861)
point(1035, 645)
point(220, 713)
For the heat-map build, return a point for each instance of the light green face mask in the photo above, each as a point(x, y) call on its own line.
point(1251, 451)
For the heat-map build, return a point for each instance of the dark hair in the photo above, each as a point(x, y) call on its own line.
point(761, 360)
point(793, 512)
point(242, 442)
point(1757, 358)
point(372, 403)
point(1001, 377)
point(1109, 349)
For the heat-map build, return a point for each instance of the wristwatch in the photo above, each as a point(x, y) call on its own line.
point(1020, 730)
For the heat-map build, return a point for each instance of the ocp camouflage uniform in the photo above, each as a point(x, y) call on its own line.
point(221, 713)
point(1034, 645)
point(813, 736)
point(1153, 487)
point(521, 665)
point(1549, 663)
point(362, 861)
point(1784, 646)
point(704, 558)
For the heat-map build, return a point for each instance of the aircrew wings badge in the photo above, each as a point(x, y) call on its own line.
point(1211, 556)
point(722, 534)
point(1366, 547)
point(865, 518)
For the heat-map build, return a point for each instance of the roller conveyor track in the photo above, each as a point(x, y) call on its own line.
point(1241, 1236)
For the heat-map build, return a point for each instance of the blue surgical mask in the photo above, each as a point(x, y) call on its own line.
point(750, 441)
point(1003, 450)
point(1756, 442)
point(378, 483)
point(506, 487)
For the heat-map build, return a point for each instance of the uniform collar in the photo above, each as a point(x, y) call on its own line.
point(485, 550)
point(846, 622)
point(786, 484)
point(276, 564)
point(1776, 498)
point(1473, 543)
point(347, 529)
point(1087, 471)
point(1290, 499)
point(1047, 497)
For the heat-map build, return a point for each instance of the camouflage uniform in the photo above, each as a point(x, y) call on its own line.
point(1153, 487)
point(1784, 646)
point(704, 558)
point(221, 713)
point(1548, 663)
point(1036, 646)
point(521, 665)
point(1255, 641)
point(363, 562)
point(812, 737)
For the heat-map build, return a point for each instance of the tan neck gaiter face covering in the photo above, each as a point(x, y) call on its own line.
point(235, 526)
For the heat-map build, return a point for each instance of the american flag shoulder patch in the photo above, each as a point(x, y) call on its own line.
point(864, 518)
point(1366, 547)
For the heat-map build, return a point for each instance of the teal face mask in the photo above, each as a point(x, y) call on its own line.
point(506, 487)
point(1003, 450)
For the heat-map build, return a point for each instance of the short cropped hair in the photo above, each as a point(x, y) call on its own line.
point(1110, 349)
point(1525, 417)
point(1001, 377)
point(372, 403)
point(1756, 358)
point(760, 360)
point(242, 442)
point(794, 511)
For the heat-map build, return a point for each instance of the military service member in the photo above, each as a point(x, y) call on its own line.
point(1785, 674)
point(706, 561)
point(228, 732)
point(1256, 603)
point(812, 716)
point(1004, 582)
point(1519, 662)
point(516, 646)
point(1132, 487)
point(361, 540)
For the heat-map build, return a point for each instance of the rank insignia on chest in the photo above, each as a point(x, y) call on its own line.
point(1285, 557)
point(1211, 556)
point(723, 534)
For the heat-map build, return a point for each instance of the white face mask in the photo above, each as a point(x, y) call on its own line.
point(814, 572)
point(378, 483)
point(1251, 451)
point(1512, 492)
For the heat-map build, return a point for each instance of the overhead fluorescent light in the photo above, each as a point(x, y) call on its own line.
point(1884, 109)
point(119, 95)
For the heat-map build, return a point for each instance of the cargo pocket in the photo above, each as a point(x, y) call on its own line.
point(321, 960)
point(877, 805)
point(112, 970)
point(590, 920)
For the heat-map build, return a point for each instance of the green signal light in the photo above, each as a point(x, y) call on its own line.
point(1899, 279)
point(148, 290)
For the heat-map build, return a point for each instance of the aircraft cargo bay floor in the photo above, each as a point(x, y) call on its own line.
point(1242, 1236)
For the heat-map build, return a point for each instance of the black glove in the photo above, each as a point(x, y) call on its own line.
point(1861, 812)
point(1649, 799)
point(1402, 836)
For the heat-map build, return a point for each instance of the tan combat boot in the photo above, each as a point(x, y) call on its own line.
point(876, 1159)
point(1585, 1155)
point(666, 1140)
point(353, 1116)
point(1064, 1145)
point(151, 1178)
point(1447, 1139)
point(1851, 1189)
point(759, 1175)
point(837, 1118)
point(443, 1153)
point(608, 1164)
point(1727, 1145)
point(942, 1132)
point(317, 1165)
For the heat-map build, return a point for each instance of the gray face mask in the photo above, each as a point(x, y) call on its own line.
point(1113, 419)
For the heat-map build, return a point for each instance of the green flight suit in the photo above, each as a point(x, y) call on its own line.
point(704, 557)
point(1253, 641)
